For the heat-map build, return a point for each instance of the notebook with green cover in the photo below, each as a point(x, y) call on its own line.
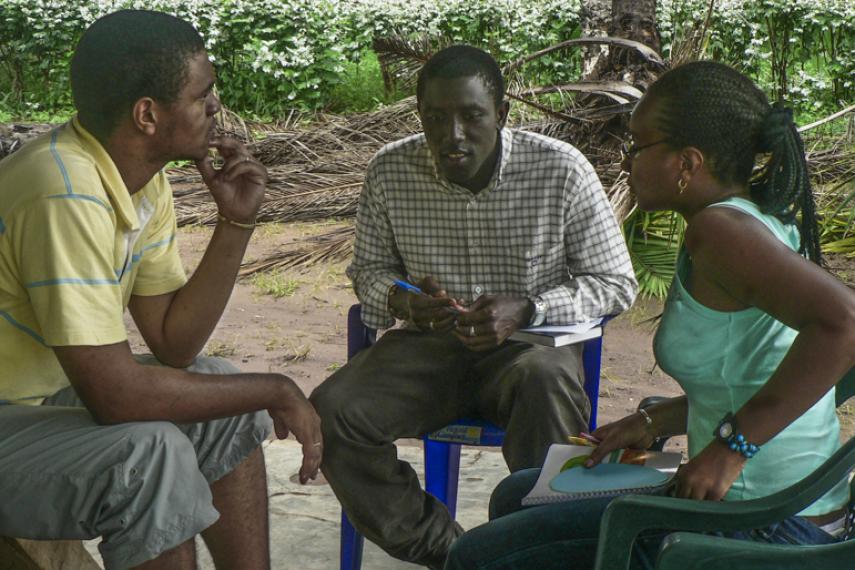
point(564, 478)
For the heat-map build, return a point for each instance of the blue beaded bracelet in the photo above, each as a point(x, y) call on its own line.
point(737, 443)
point(727, 432)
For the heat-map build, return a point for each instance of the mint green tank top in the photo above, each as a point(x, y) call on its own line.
point(721, 359)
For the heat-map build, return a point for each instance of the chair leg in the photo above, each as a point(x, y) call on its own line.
point(351, 545)
point(591, 361)
point(442, 468)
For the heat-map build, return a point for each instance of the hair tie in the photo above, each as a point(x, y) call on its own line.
point(777, 124)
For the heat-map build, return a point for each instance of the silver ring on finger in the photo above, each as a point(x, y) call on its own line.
point(430, 325)
point(471, 330)
point(316, 444)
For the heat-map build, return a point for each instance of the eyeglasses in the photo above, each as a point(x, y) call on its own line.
point(629, 151)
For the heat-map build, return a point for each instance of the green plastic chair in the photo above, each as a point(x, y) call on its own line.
point(629, 515)
point(692, 551)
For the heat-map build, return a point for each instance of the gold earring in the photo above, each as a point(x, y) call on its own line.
point(682, 185)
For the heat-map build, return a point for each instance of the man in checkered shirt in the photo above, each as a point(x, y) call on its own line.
point(503, 230)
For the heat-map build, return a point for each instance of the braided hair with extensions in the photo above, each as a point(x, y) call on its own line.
point(716, 109)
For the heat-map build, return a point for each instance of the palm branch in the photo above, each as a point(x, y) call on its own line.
point(653, 239)
point(401, 57)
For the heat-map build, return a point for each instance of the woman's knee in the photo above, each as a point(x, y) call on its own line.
point(464, 551)
point(507, 496)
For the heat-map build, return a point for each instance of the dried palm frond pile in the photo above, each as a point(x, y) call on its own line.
point(292, 195)
point(316, 166)
point(13, 137)
point(315, 172)
point(329, 247)
point(328, 139)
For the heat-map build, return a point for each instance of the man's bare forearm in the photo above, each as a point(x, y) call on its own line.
point(117, 389)
point(198, 306)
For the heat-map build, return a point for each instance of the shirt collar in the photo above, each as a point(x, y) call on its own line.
point(506, 136)
point(110, 177)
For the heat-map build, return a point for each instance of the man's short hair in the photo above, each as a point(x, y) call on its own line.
point(463, 61)
point(125, 56)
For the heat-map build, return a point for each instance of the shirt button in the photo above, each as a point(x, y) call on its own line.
point(477, 289)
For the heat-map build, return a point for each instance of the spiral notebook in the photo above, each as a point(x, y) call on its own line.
point(563, 477)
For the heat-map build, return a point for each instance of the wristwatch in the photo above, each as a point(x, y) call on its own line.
point(725, 429)
point(538, 317)
point(727, 432)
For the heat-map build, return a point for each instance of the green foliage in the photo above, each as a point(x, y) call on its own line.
point(837, 226)
point(653, 240)
point(361, 86)
point(274, 284)
point(799, 50)
point(276, 55)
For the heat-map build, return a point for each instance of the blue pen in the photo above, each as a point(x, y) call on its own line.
point(413, 289)
point(409, 287)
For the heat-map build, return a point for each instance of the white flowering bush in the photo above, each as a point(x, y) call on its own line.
point(506, 28)
point(270, 54)
point(273, 55)
point(799, 50)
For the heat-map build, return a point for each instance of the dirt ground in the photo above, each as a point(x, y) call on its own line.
point(293, 323)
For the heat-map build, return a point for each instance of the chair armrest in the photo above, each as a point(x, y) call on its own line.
point(627, 516)
point(691, 551)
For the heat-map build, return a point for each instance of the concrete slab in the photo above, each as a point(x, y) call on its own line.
point(305, 519)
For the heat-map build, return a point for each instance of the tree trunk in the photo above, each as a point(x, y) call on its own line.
point(596, 18)
point(633, 20)
point(636, 20)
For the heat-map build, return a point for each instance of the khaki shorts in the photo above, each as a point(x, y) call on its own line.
point(144, 487)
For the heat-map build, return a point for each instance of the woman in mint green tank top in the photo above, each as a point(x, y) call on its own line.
point(754, 330)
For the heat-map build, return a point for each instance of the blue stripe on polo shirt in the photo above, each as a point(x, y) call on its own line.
point(160, 243)
point(23, 328)
point(135, 258)
point(83, 197)
point(70, 281)
point(59, 162)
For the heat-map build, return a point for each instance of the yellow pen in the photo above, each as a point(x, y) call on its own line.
point(576, 440)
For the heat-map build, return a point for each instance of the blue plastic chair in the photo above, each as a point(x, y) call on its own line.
point(442, 447)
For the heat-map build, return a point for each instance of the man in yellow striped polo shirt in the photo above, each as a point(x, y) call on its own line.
point(93, 440)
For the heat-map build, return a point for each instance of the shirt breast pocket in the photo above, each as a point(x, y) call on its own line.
point(541, 264)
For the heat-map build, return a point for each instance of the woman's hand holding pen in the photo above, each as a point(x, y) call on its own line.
point(627, 433)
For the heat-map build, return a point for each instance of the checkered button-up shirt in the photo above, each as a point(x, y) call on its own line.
point(543, 226)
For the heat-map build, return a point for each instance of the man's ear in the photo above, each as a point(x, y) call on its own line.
point(502, 113)
point(145, 115)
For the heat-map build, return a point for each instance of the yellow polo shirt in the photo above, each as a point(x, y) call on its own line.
point(74, 247)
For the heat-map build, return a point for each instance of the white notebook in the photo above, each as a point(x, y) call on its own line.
point(563, 477)
point(560, 335)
